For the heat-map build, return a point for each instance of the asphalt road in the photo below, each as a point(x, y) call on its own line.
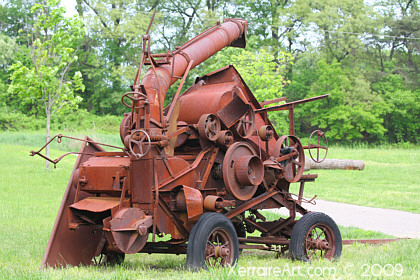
point(393, 222)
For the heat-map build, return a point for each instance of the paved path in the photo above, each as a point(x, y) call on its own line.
point(392, 222)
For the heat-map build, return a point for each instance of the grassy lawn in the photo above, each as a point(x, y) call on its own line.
point(31, 196)
point(389, 180)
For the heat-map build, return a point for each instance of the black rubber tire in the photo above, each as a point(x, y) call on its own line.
point(301, 228)
point(197, 241)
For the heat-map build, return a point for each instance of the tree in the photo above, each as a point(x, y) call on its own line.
point(401, 110)
point(352, 111)
point(402, 22)
point(14, 16)
point(111, 50)
point(52, 48)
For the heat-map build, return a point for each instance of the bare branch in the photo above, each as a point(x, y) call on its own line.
point(97, 13)
point(63, 102)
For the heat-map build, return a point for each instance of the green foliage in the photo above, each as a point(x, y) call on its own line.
point(15, 16)
point(402, 109)
point(261, 71)
point(82, 120)
point(52, 49)
point(351, 112)
point(16, 121)
point(68, 121)
point(111, 51)
point(336, 22)
point(7, 49)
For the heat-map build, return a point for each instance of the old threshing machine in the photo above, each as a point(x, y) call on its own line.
point(192, 177)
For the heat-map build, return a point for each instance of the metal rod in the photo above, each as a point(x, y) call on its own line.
point(151, 21)
point(371, 241)
point(175, 99)
point(286, 105)
point(59, 136)
point(264, 240)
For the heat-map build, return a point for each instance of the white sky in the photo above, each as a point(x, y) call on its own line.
point(70, 7)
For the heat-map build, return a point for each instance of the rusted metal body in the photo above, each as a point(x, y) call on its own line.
point(212, 150)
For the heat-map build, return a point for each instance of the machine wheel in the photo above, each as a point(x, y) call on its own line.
point(243, 170)
point(134, 97)
point(209, 127)
point(109, 258)
point(144, 138)
point(314, 236)
point(126, 126)
point(245, 127)
point(289, 146)
point(213, 242)
point(321, 138)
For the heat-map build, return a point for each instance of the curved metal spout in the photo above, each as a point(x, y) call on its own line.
point(157, 80)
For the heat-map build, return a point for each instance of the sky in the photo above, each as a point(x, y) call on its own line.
point(70, 7)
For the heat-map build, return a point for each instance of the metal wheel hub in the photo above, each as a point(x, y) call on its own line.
point(219, 248)
point(318, 240)
point(219, 251)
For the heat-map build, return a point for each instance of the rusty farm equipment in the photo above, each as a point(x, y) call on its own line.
point(198, 172)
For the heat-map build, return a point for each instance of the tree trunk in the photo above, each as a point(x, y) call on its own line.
point(392, 51)
point(347, 164)
point(47, 149)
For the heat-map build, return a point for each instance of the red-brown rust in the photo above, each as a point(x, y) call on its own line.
point(156, 82)
point(371, 241)
point(64, 245)
point(212, 150)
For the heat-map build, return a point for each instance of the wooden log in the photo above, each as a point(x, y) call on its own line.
point(347, 164)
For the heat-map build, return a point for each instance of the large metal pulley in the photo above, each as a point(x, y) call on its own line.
point(289, 153)
point(225, 138)
point(140, 139)
point(126, 125)
point(243, 170)
point(209, 127)
point(266, 132)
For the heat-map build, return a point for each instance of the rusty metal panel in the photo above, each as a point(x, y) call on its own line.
point(96, 204)
point(205, 99)
point(233, 111)
point(72, 247)
point(101, 173)
point(194, 200)
point(142, 183)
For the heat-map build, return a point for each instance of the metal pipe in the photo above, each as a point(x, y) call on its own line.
point(157, 81)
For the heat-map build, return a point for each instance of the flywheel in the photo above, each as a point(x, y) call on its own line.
point(243, 170)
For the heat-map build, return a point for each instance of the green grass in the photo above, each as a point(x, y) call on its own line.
point(352, 265)
point(390, 178)
point(36, 139)
point(30, 198)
